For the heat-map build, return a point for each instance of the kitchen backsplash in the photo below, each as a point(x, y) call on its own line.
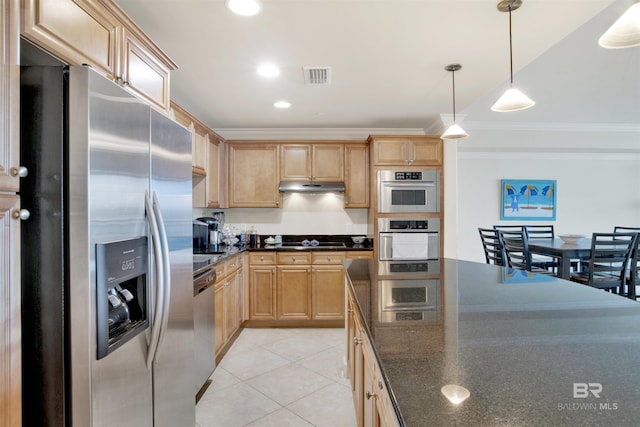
point(300, 214)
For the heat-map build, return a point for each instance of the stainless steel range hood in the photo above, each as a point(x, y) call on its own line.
point(311, 187)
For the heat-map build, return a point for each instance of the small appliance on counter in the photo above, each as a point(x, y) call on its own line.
point(215, 224)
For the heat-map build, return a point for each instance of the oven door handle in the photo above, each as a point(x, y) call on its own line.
point(419, 186)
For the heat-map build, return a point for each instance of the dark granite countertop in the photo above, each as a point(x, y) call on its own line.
point(532, 350)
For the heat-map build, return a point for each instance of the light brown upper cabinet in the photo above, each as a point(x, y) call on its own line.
point(216, 172)
point(321, 162)
point(421, 150)
point(99, 33)
point(356, 175)
point(143, 70)
point(253, 175)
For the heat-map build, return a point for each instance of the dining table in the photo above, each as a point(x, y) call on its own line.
point(562, 251)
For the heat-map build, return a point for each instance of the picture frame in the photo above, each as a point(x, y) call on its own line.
point(528, 199)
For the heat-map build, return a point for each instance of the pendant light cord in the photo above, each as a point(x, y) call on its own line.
point(453, 80)
point(510, 48)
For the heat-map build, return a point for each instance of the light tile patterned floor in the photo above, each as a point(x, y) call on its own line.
point(280, 378)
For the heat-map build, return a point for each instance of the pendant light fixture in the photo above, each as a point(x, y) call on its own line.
point(512, 99)
point(454, 131)
point(625, 32)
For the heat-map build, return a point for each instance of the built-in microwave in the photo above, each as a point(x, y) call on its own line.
point(408, 191)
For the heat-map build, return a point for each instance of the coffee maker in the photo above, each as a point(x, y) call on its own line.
point(215, 223)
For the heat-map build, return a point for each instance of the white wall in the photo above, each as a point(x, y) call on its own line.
point(597, 173)
point(300, 214)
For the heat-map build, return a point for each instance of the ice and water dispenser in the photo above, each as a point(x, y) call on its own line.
point(122, 297)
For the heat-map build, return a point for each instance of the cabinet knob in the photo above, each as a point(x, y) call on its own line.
point(22, 214)
point(369, 395)
point(19, 171)
point(357, 340)
point(380, 385)
point(261, 258)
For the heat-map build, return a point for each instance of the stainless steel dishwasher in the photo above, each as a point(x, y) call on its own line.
point(204, 323)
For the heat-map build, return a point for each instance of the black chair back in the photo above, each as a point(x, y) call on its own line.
point(540, 231)
point(608, 263)
point(491, 245)
point(515, 250)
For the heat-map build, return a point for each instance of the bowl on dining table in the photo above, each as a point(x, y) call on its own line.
point(571, 238)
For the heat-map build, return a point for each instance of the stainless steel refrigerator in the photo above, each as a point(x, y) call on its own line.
point(107, 256)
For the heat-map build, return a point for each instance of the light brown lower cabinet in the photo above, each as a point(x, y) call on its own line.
point(228, 301)
point(296, 286)
point(370, 396)
point(293, 292)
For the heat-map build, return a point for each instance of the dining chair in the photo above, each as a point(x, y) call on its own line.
point(634, 259)
point(542, 232)
point(516, 251)
point(608, 263)
point(491, 245)
point(633, 278)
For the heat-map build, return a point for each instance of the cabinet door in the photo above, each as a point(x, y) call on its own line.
point(351, 342)
point(9, 95)
point(356, 176)
point(370, 414)
point(327, 287)
point(295, 162)
point(427, 151)
point(77, 31)
point(143, 74)
point(294, 293)
point(219, 316)
point(239, 289)
point(390, 151)
point(262, 287)
point(358, 371)
point(213, 173)
point(10, 356)
point(230, 306)
point(327, 162)
point(253, 176)
point(199, 148)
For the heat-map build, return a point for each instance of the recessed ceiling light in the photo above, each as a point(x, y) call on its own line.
point(282, 104)
point(268, 70)
point(244, 7)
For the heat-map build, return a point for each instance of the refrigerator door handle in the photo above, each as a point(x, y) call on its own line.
point(166, 266)
point(159, 281)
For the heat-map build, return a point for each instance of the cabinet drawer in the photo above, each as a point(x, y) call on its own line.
point(293, 258)
point(327, 257)
point(358, 254)
point(262, 258)
point(221, 270)
point(233, 264)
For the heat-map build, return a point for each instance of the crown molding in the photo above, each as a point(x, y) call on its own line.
point(547, 154)
point(554, 127)
point(313, 133)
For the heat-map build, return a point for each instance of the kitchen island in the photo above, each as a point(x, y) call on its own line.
point(532, 350)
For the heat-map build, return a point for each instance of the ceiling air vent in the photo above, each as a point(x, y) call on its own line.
point(317, 75)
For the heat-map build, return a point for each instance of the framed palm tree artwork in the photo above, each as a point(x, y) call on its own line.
point(528, 199)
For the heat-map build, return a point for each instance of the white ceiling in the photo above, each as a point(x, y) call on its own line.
point(388, 58)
